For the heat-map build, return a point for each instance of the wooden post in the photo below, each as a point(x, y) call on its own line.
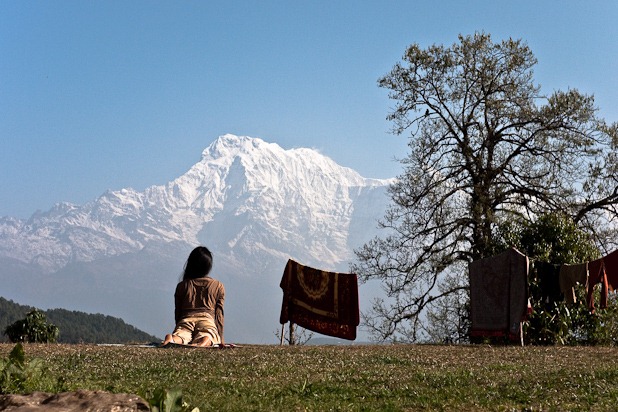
point(282, 332)
point(521, 332)
point(292, 337)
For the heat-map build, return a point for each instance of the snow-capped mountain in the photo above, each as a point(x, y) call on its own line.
point(252, 203)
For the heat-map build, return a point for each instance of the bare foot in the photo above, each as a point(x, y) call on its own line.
point(205, 341)
point(169, 338)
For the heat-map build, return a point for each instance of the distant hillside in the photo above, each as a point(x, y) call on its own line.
point(76, 327)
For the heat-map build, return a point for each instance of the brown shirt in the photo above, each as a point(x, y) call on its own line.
point(195, 297)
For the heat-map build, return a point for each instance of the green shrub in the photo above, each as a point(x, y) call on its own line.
point(163, 400)
point(34, 328)
point(19, 376)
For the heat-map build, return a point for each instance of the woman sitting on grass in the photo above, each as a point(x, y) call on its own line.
point(198, 304)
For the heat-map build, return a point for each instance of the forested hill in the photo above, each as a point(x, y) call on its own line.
point(77, 327)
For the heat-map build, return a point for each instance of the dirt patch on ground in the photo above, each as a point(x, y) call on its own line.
point(81, 400)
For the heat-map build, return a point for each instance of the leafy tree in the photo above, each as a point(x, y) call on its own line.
point(34, 328)
point(553, 238)
point(486, 147)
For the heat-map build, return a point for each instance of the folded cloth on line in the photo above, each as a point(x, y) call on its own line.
point(611, 268)
point(549, 281)
point(596, 274)
point(323, 302)
point(571, 275)
point(498, 294)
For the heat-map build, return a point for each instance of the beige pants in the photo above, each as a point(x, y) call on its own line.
point(191, 329)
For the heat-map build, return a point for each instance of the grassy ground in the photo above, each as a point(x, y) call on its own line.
point(342, 378)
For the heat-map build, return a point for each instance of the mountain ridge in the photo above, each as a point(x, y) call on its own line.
point(126, 219)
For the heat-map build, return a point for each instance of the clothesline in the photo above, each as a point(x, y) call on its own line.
point(499, 295)
point(563, 278)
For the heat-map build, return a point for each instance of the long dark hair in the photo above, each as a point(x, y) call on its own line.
point(198, 264)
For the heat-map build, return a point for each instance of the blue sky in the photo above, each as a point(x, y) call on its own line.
point(98, 95)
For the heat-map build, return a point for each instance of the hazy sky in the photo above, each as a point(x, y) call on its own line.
point(98, 95)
